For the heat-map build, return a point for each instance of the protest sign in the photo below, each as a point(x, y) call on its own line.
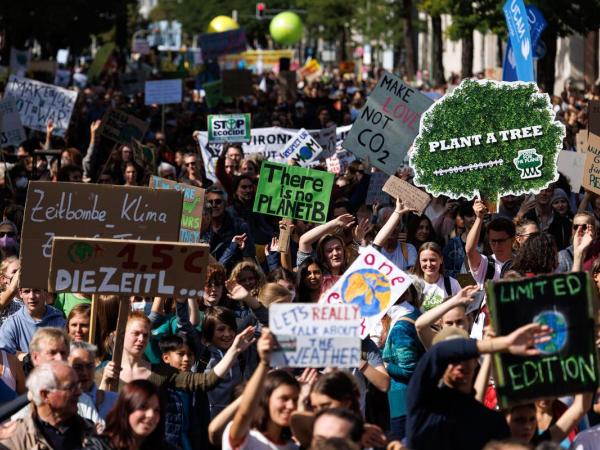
point(62, 55)
point(39, 102)
point(115, 266)
point(287, 85)
point(43, 66)
point(100, 60)
point(571, 165)
point(91, 210)
point(488, 138)
point(122, 127)
point(375, 191)
point(144, 155)
point(594, 117)
point(520, 38)
point(268, 142)
point(141, 46)
point(568, 362)
point(311, 70)
point(11, 130)
point(162, 92)
point(338, 163)
point(224, 43)
point(229, 128)
point(387, 124)
point(62, 78)
point(132, 83)
point(80, 80)
point(192, 207)
point(373, 283)
point(293, 192)
point(591, 170)
point(213, 93)
point(266, 60)
point(411, 196)
point(237, 83)
point(313, 335)
point(302, 149)
point(165, 34)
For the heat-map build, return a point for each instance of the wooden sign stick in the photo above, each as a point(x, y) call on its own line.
point(113, 385)
point(284, 236)
point(93, 318)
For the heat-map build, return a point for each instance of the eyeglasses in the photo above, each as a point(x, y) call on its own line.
point(577, 226)
point(72, 387)
point(215, 202)
point(7, 233)
point(78, 366)
point(498, 241)
point(187, 164)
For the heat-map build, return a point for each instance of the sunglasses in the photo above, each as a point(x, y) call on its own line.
point(584, 226)
point(7, 233)
point(190, 163)
point(215, 202)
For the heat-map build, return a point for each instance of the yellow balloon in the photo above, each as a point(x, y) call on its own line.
point(222, 23)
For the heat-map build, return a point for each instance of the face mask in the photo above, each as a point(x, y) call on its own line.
point(21, 182)
point(145, 307)
point(7, 242)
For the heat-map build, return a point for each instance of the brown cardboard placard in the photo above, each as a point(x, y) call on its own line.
point(591, 169)
point(285, 235)
point(594, 117)
point(122, 127)
point(128, 267)
point(410, 195)
point(237, 83)
point(192, 207)
point(91, 210)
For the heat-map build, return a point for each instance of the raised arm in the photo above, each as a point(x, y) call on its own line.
point(307, 239)
point(391, 223)
point(473, 255)
point(426, 320)
point(216, 427)
point(252, 395)
point(11, 290)
point(571, 417)
point(581, 242)
point(241, 342)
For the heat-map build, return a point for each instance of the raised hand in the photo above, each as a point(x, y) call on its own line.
point(522, 341)
point(264, 345)
point(344, 221)
point(480, 209)
point(244, 340)
point(240, 240)
point(361, 230)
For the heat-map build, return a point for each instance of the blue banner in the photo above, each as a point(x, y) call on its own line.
point(537, 24)
point(517, 21)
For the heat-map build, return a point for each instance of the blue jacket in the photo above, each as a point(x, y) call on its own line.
point(16, 331)
point(443, 418)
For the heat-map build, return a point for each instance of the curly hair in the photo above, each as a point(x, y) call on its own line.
point(538, 255)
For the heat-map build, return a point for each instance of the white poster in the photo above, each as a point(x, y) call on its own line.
point(302, 148)
point(162, 92)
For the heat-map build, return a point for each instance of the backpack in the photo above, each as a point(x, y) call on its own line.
point(491, 269)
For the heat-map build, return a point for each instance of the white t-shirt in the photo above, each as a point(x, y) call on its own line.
point(479, 277)
point(435, 293)
point(397, 257)
point(254, 441)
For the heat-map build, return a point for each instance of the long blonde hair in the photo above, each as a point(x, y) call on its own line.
point(248, 265)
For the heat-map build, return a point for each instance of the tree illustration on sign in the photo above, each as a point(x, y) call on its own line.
point(488, 138)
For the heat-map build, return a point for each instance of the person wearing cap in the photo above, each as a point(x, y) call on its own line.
point(445, 415)
point(8, 239)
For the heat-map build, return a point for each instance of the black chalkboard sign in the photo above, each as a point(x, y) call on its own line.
point(568, 362)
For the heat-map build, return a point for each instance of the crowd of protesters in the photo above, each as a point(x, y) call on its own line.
point(197, 374)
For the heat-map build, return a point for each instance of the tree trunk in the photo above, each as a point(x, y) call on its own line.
point(546, 65)
point(343, 44)
point(499, 53)
point(437, 63)
point(467, 56)
point(410, 63)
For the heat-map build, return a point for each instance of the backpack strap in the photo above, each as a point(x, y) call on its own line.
point(404, 248)
point(491, 270)
point(447, 286)
point(406, 319)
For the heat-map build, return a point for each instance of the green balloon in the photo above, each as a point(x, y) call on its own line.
point(286, 28)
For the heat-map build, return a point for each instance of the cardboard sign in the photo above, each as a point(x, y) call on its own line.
point(39, 102)
point(375, 192)
point(293, 192)
point(229, 128)
point(568, 362)
point(213, 93)
point(192, 207)
point(313, 335)
point(388, 124)
point(591, 170)
point(163, 92)
point(594, 117)
point(302, 149)
point(91, 210)
point(373, 283)
point(144, 155)
point(488, 138)
point(62, 78)
point(225, 43)
point(312, 70)
point(11, 130)
point(410, 195)
point(114, 266)
point(571, 164)
point(122, 127)
point(237, 83)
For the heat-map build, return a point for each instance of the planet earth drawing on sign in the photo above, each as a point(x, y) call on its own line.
point(369, 289)
point(305, 153)
point(558, 338)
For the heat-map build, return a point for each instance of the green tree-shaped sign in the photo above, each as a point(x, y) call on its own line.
point(488, 138)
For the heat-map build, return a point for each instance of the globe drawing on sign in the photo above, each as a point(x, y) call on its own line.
point(369, 289)
point(558, 338)
point(305, 153)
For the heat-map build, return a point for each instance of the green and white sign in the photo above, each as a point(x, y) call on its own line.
point(229, 128)
point(488, 138)
point(293, 192)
